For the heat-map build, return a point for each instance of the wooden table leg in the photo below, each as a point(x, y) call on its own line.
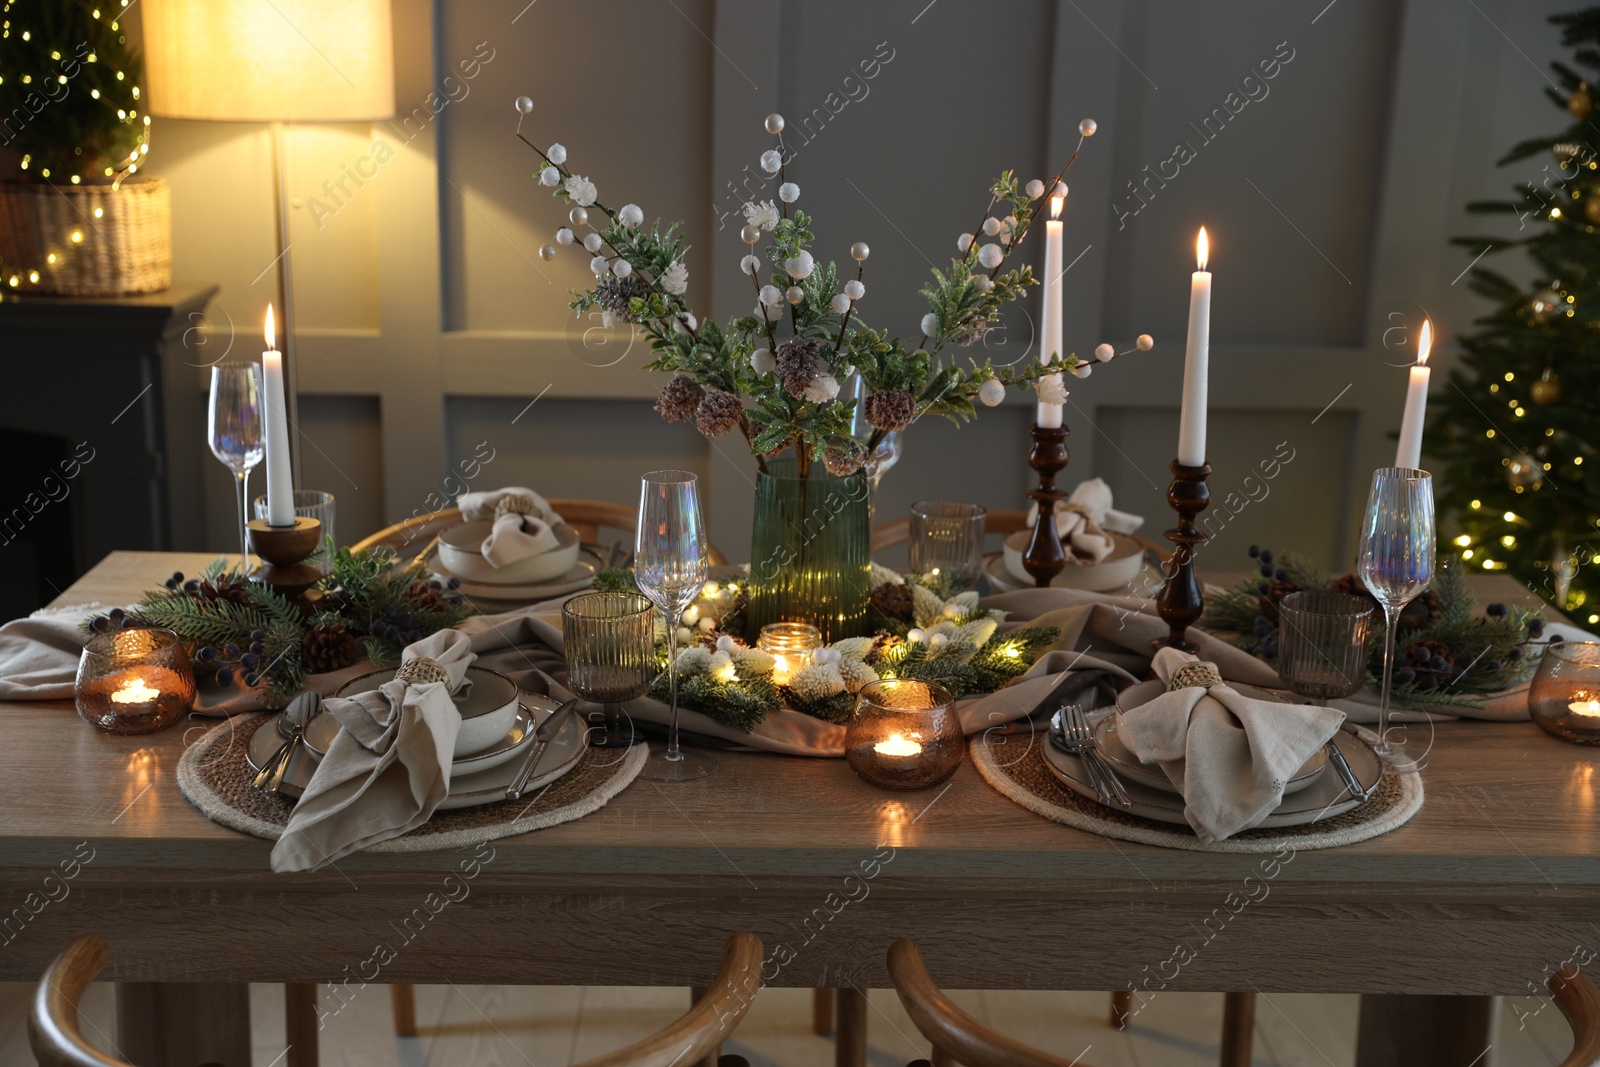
point(180, 1024)
point(1407, 1030)
point(850, 1047)
point(1238, 1029)
point(300, 1024)
point(822, 1001)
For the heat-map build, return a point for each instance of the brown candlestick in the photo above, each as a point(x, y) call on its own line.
point(1180, 603)
point(283, 550)
point(1045, 558)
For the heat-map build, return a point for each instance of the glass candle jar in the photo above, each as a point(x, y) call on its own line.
point(905, 734)
point(134, 681)
point(790, 645)
point(1565, 696)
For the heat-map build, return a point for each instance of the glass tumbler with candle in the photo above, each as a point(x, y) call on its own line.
point(905, 734)
point(790, 644)
point(1565, 696)
point(134, 681)
point(947, 539)
point(610, 651)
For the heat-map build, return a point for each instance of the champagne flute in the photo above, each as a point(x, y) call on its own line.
point(1397, 550)
point(671, 562)
point(233, 427)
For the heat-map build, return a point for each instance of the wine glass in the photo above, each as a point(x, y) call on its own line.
point(671, 562)
point(1397, 550)
point(233, 426)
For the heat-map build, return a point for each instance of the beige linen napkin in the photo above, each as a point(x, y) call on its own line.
point(523, 523)
point(1083, 519)
point(389, 765)
point(1229, 755)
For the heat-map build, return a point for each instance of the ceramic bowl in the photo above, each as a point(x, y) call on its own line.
point(488, 711)
point(460, 550)
point(1116, 571)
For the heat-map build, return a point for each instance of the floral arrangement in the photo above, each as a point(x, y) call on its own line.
point(1446, 654)
point(927, 631)
point(776, 375)
point(245, 632)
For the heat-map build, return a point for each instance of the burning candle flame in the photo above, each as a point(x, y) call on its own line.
point(897, 745)
point(134, 692)
point(1202, 249)
point(1425, 343)
point(1057, 201)
point(270, 332)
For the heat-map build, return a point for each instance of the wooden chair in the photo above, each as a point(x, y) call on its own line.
point(1002, 521)
point(588, 517)
point(57, 1041)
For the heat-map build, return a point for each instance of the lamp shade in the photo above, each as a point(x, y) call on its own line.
point(270, 60)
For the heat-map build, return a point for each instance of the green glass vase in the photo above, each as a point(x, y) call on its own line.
point(811, 551)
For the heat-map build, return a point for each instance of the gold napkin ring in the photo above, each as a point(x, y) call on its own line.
point(420, 670)
point(1204, 675)
point(520, 503)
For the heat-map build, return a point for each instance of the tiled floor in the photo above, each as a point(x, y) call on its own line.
point(549, 1026)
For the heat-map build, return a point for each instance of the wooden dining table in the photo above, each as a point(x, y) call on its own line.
point(1492, 886)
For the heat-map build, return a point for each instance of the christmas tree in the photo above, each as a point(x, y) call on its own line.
point(69, 91)
point(1518, 424)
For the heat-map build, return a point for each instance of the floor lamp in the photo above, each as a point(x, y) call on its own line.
point(273, 61)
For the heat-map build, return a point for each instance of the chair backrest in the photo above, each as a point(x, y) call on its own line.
point(57, 1041)
point(997, 521)
point(1579, 1001)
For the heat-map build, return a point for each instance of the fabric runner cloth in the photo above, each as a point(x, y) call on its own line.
point(524, 523)
point(388, 767)
point(1229, 755)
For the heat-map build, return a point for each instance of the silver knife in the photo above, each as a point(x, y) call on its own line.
point(541, 739)
point(1351, 782)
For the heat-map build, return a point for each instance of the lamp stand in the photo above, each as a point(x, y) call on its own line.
point(291, 364)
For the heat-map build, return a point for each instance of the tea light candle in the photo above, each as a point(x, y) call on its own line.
point(790, 644)
point(1589, 708)
point(905, 734)
point(134, 691)
point(1564, 697)
point(134, 681)
point(896, 745)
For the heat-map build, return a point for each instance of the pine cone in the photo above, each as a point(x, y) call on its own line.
point(890, 601)
point(882, 641)
point(1429, 663)
point(1276, 592)
point(429, 597)
point(798, 363)
point(844, 457)
point(228, 587)
point(1422, 612)
point(327, 647)
point(717, 413)
point(678, 400)
point(890, 410)
point(615, 293)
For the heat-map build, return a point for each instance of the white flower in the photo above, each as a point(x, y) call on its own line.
point(771, 294)
point(854, 289)
point(621, 267)
point(991, 256)
point(564, 236)
point(1034, 189)
point(761, 213)
point(675, 279)
point(750, 264)
point(599, 265)
point(1103, 353)
point(693, 660)
point(721, 667)
point(991, 226)
point(991, 392)
point(930, 325)
point(557, 153)
point(1050, 390)
point(771, 161)
point(1144, 342)
point(753, 662)
point(1083, 370)
point(581, 190)
point(963, 242)
point(817, 681)
point(788, 192)
point(550, 176)
point(630, 215)
point(840, 304)
point(800, 266)
point(761, 361)
point(593, 241)
point(823, 388)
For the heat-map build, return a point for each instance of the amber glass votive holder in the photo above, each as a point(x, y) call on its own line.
point(1565, 696)
point(791, 645)
point(905, 734)
point(134, 681)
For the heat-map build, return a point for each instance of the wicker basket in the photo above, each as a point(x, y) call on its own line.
point(86, 240)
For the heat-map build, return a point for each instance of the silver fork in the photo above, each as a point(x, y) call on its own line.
point(1078, 723)
point(1067, 740)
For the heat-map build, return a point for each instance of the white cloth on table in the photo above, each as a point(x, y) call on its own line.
point(516, 534)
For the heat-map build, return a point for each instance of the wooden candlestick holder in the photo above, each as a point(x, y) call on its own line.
point(283, 550)
point(1180, 604)
point(1044, 557)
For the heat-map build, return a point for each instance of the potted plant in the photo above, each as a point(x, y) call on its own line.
point(78, 217)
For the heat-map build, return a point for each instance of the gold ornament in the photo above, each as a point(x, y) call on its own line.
point(1581, 103)
point(1592, 209)
point(1547, 305)
point(1546, 389)
point(1524, 472)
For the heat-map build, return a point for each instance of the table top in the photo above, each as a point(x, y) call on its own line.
point(1504, 855)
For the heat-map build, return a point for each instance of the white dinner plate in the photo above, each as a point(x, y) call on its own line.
point(1118, 571)
point(478, 779)
point(1323, 798)
point(581, 576)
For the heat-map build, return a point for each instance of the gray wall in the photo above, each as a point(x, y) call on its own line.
point(428, 323)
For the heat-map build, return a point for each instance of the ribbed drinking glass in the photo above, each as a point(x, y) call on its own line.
point(611, 657)
point(947, 537)
point(1322, 643)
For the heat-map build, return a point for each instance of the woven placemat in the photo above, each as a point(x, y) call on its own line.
point(1014, 765)
point(215, 776)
